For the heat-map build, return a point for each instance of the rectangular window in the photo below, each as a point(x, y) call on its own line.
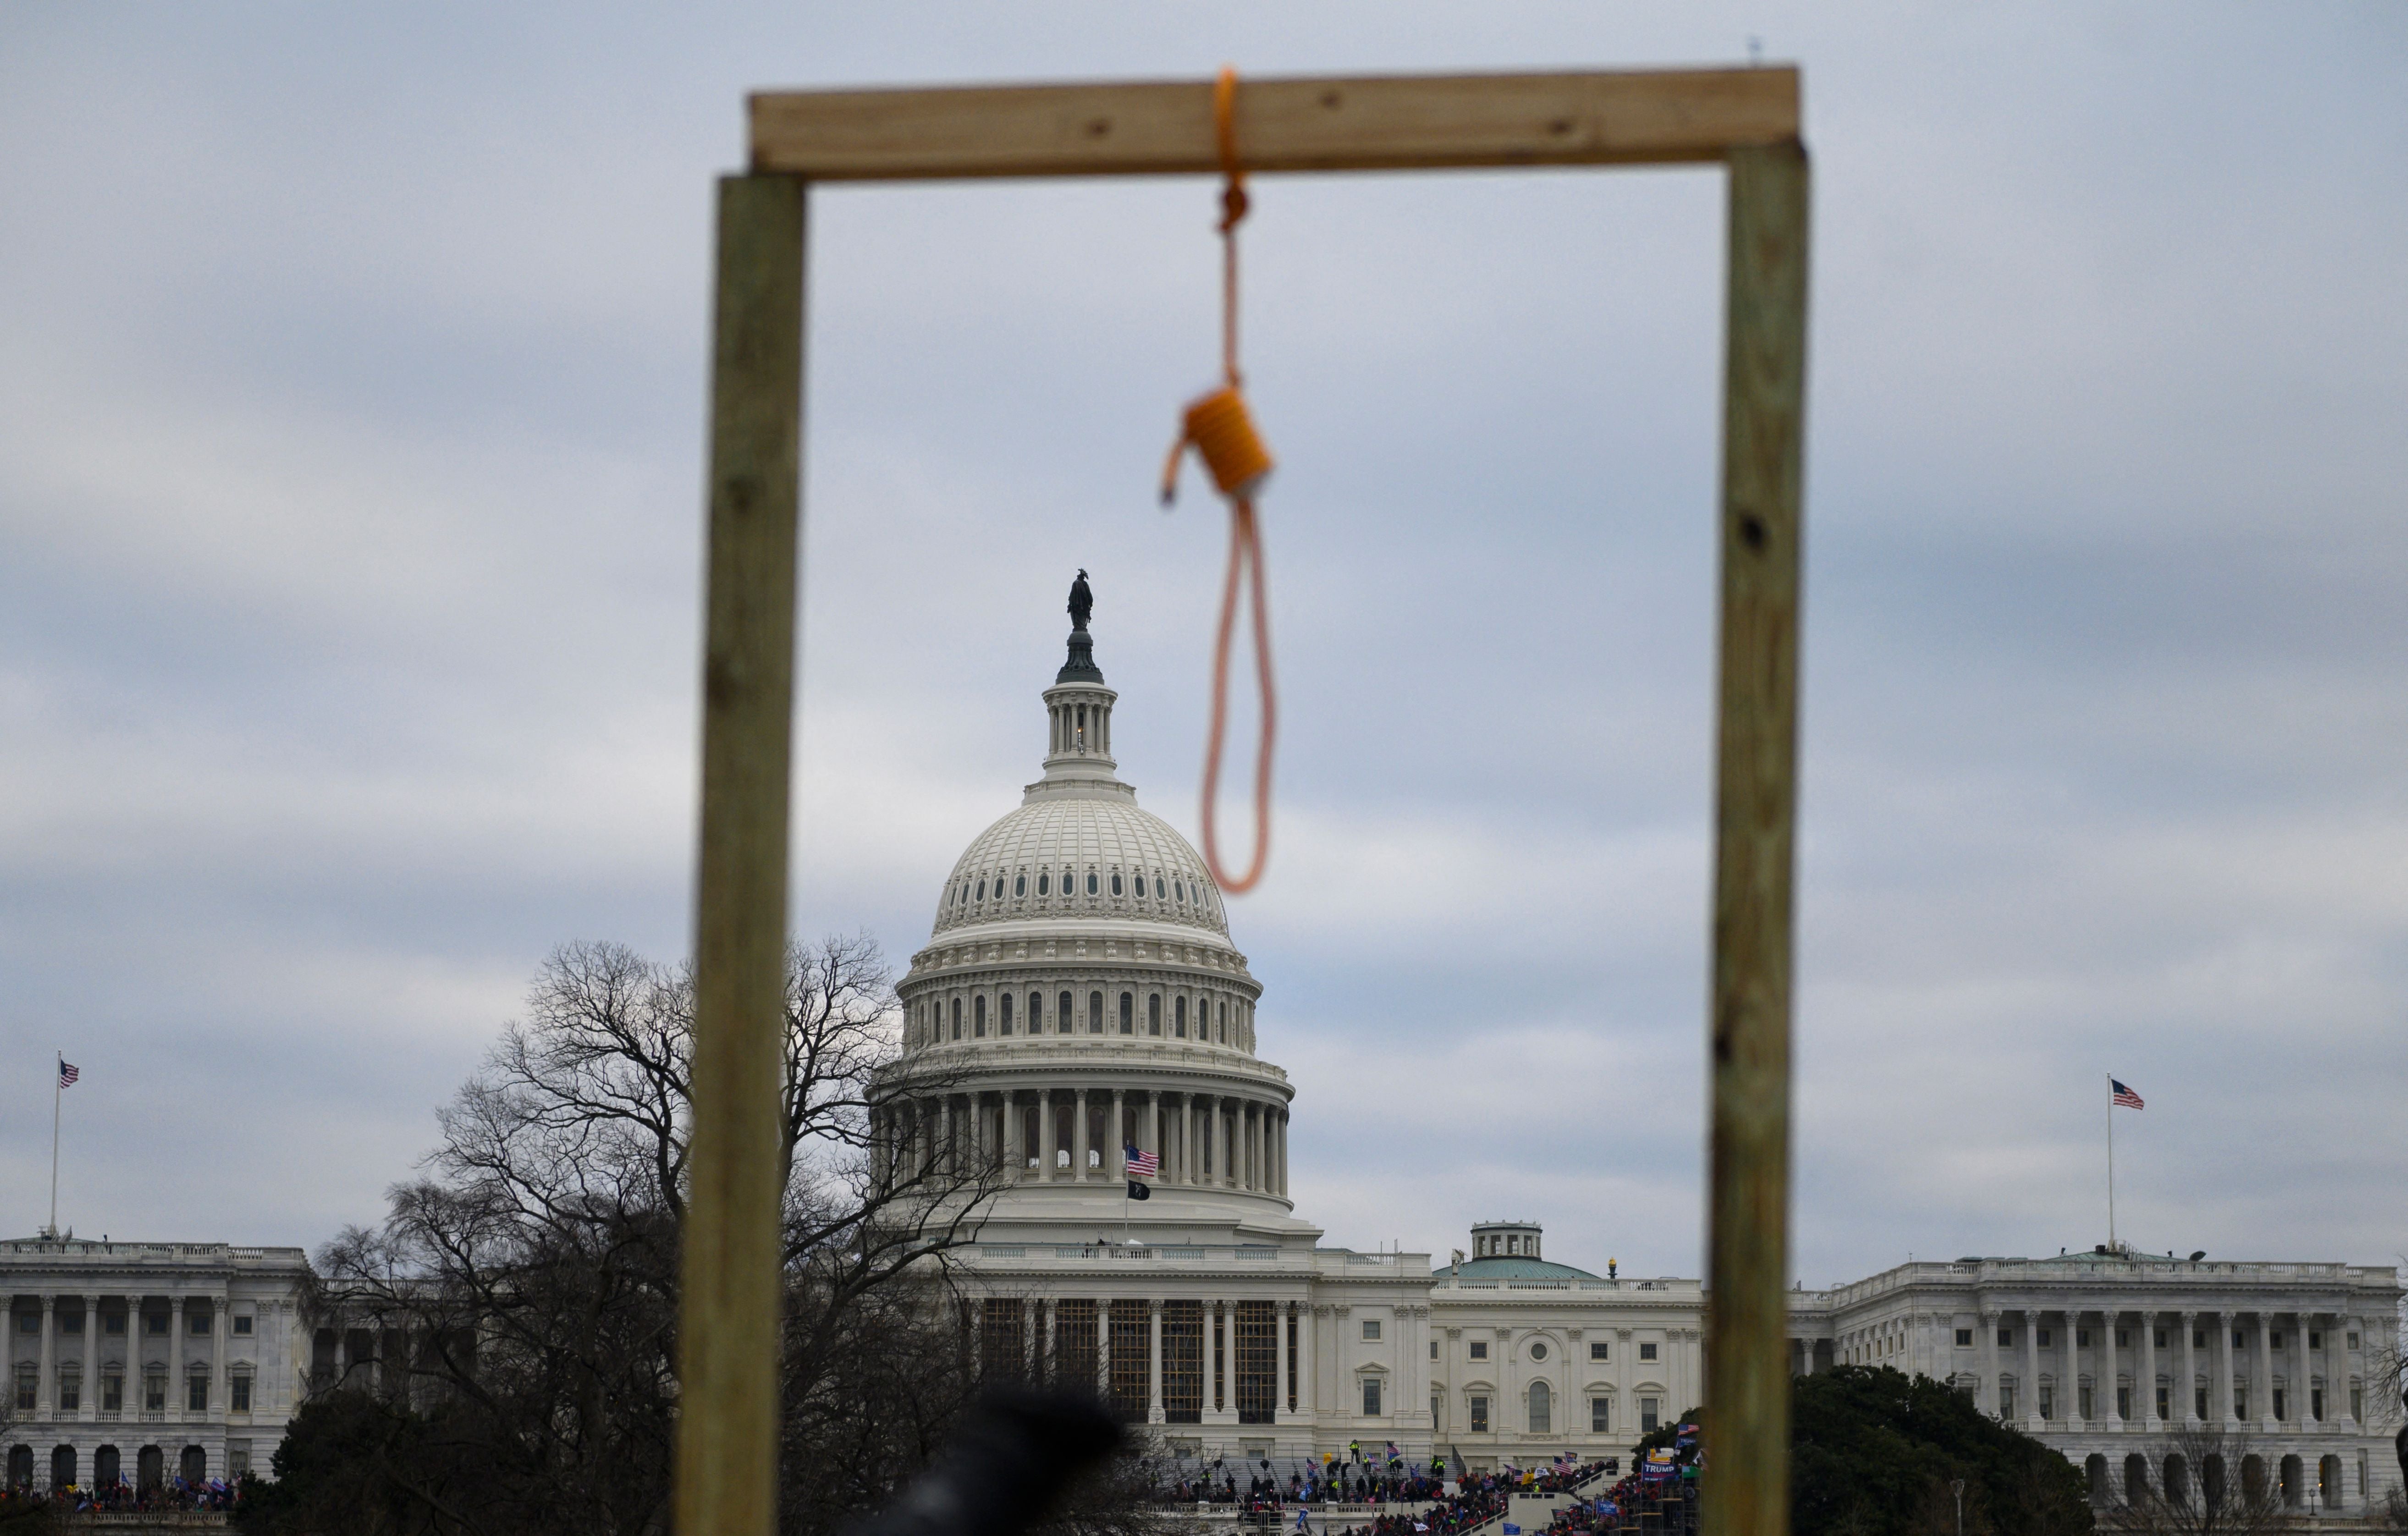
point(1647, 1352)
point(2158, 1339)
point(2239, 1340)
point(2006, 1399)
point(2123, 1403)
point(2356, 1403)
point(70, 1392)
point(1964, 1338)
point(1647, 1415)
point(154, 1394)
point(2082, 1401)
point(2199, 1338)
point(1074, 1340)
point(196, 1394)
point(2123, 1338)
point(29, 1322)
point(1438, 1399)
point(71, 1322)
point(25, 1388)
point(1258, 1352)
point(112, 1394)
point(2047, 1400)
point(2317, 1403)
point(112, 1322)
point(2353, 1340)
point(2241, 1402)
point(2082, 1340)
point(2043, 1337)
point(1371, 1328)
point(240, 1402)
point(2278, 1405)
point(2006, 1338)
point(1433, 1349)
point(1183, 1363)
point(1370, 1396)
point(2165, 1402)
point(237, 1458)
point(1479, 1413)
point(1601, 1415)
point(2198, 1403)
point(2274, 1341)
point(1131, 1349)
point(242, 1323)
point(1480, 1349)
point(1597, 1349)
point(197, 1321)
point(2316, 1339)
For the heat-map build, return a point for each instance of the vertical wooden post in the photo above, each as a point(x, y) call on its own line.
point(1747, 1369)
point(728, 1341)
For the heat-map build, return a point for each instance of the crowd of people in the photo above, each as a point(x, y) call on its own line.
point(175, 1495)
point(1435, 1503)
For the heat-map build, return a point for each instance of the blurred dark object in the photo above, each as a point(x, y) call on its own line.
point(1006, 1468)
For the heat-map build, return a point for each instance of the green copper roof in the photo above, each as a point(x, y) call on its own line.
point(1519, 1269)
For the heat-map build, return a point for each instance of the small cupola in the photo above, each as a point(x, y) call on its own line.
point(1505, 1240)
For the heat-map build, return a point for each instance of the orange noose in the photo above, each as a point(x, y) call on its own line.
point(1222, 432)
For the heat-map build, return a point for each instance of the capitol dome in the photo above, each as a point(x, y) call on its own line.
point(1080, 855)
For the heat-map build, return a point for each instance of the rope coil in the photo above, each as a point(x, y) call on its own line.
point(1221, 430)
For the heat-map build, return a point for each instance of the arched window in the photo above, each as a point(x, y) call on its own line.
point(1062, 1013)
point(1020, 884)
point(1158, 892)
point(1220, 1028)
point(1542, 1409)
point(1091, 883)
point(1153, 1013)
point(1116, 883)
point(1179, 888)
point(978, 1016)
point(957, 1018)
point(1037, 1013)
point(1095, 1012)
point(1128, 1014)
point(1179, 1018)
point(981, 889)
point(1043, 880)
point(1003, 1014)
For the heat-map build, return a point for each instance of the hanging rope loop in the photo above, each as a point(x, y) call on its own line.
point(1221, 430)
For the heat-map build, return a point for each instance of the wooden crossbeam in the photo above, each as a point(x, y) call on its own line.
point(1364, 123)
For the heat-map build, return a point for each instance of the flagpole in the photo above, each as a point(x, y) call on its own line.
point(2111, 1162)
point(58, 1092)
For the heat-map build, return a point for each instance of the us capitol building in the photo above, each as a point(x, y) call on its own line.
point(1080, 993)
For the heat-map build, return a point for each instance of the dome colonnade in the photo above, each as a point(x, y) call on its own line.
point(1080, 995)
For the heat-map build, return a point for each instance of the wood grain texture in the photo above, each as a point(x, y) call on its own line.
point(728, 1327)
point(1392, 122)
point(1764, 391)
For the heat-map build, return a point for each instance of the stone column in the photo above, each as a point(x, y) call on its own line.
point(2073, 1376)
point(1116, 1150)
point(1078, 1136)
point(1154, 1363)
point(218, 1401)
point(45, 1391)
point(2031, 1369)
point(2112, 1409)
point(1014, 1157)
point(1280, 1129)
point(2187, 1399)
point(2147, 1383)
point(174, 1359)
point(1187, 1138)
point(1279, 1363)
point(2337, 1382)
point(1990, 1360)
point(2261, 1376)
point(1308, 1362)
point(2219, 1391)
point(1048, 1139)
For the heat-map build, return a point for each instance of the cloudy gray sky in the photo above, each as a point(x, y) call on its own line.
point(350, 408)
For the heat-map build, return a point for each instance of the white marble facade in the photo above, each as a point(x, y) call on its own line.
point(2103, 1354)
point(1080, 990)
point(144, 1360)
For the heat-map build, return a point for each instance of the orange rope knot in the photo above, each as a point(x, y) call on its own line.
point(1222, 432)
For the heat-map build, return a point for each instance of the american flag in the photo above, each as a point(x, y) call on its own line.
point(2125, 1098)
point(1142, 1165)
point(68, 1072)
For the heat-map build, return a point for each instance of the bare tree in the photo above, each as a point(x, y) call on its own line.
point(2204, 1480)
point(519, 1303)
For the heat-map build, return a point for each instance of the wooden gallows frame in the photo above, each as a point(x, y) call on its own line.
point(1745, 119)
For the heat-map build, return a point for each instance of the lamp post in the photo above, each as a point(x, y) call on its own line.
point(1956, 1487)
